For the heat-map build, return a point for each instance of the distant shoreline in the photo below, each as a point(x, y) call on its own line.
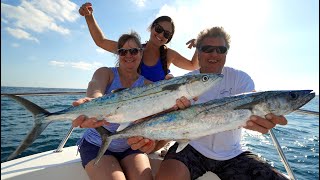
point(42, 87)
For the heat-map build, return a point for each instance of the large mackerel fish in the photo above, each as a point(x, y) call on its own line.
point(122, 106)
point(211, 117)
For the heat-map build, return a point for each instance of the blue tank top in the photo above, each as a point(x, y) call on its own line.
point(153, 73)
point(93, 137)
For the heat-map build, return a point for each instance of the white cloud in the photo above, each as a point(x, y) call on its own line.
point(59, 9)
point(139, 3)
point(77, 65)
point(190, 17)
point(58, 63)
point(246, 21)
point(237, 18)
point(21, 34)
point(40, 15)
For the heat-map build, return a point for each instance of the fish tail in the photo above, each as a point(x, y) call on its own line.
point(39, 114)
point(30, 138)
point(30, 106)
point(106, 140)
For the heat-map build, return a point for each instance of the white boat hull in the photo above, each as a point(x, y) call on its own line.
point(61, 165)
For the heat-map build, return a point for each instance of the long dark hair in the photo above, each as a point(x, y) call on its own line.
point(163, 49)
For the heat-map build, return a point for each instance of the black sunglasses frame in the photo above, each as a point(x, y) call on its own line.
point(159, 29)
point(210, 49)
point(132, 51)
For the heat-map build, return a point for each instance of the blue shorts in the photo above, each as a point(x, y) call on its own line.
point(89, 151)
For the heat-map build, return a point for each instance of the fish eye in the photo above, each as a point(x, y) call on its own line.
point(293, 96)
point(205, 78)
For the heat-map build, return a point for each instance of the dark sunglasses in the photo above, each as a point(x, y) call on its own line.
point(132, 51)
point(159, 29)
point(210, 49)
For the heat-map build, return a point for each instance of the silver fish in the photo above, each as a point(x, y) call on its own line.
point(211, 117)
point(122, 106)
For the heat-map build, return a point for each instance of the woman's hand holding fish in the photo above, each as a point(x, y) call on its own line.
point(263, 125)
point(143, 144)
point(182, 103)
point(84, 121)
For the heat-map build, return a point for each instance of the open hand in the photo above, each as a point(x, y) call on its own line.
point(192, 43)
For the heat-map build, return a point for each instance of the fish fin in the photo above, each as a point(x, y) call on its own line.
point(171, 87)
point(308, 112)
point(30, 106)
point(118, 90)
point(103, 131)
point(246, 106)
point(39, 114)
point(106, 140)
point(29, 139)
point(181, 145)
point(123, 126)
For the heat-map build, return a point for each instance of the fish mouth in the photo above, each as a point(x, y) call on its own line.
point(307, 95)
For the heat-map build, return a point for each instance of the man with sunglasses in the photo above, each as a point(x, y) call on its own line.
point(220, 153)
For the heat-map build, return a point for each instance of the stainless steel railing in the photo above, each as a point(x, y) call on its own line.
point(281, 154)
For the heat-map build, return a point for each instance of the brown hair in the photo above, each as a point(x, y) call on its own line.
point(129, 36)
point(125, 38)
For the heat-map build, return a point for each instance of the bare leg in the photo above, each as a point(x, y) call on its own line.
point(107, 168)
point(137, 167)
point(172, 169)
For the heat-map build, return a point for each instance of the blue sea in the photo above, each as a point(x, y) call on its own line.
point(299, 139)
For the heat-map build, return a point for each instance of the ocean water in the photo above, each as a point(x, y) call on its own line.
point(299, 139)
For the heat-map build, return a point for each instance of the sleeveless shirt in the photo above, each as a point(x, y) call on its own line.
point(93, 137)
point(153, 73)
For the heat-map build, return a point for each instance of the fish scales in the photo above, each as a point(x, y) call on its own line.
point(123, 106)
point(214, 116)
point(130, 104)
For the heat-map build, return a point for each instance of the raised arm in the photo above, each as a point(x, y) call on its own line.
point(182, 62)
point(86, 10)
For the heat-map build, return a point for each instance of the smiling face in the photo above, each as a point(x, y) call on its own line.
point(130, 61)
point(212, 62)
point(159, 38)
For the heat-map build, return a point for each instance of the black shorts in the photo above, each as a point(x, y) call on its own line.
point(89, 151)
point(245, 166)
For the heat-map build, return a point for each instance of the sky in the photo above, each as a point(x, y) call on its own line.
point(46, 43)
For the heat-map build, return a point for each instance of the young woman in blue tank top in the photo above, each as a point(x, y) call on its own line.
point(119, 161)
point(157, 57)
point(124, 158)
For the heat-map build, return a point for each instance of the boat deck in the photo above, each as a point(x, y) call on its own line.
point(62, 165)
